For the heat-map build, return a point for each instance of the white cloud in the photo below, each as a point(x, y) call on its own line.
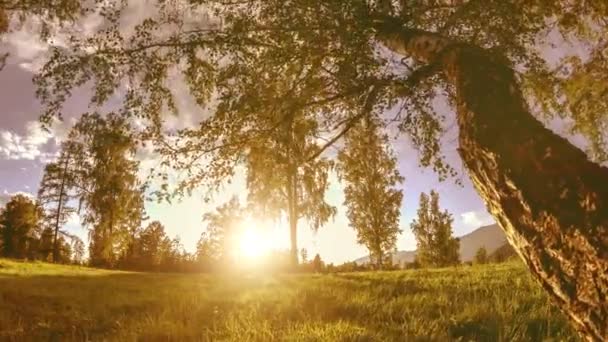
point(30, 52)
point(6, 196)
point(476, 219)
point(28, 146)
point(25, 46)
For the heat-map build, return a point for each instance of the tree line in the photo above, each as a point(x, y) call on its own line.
point(22, 236)
point(96, 177)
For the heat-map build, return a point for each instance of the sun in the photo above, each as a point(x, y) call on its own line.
point(252, 244)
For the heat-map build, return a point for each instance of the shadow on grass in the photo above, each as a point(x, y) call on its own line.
point(475, 330)
point(77, 307)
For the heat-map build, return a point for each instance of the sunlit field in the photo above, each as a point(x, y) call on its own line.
point(46, 302)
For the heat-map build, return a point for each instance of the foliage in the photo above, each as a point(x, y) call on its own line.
point(481, 256)
point(268, 61)
point(317, 263)
point(304, 255)
point(58, 186)
point(286, 177)
point(432, 228)
point(369, 169)
point(23, 234)
point(504, 253)
point(256, 72)
point(152, 250)
point(47, 10)
point(112, 195)
point(217, 243)
point(487, 303)
point(48, 14)
point(153, 245)
point(19, 227)
point(46, 245)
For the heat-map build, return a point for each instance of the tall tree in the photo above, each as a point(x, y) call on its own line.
point(433, 231)
point(57, 189)
point(173, 254)
point(369, 170)
point(223, 227)
point(317, 263)
point(205, 252)
point(45, 245)
point(284, 178)
point(362, 58)
point(19, 226)
point(112, 195)
point(77, 250)
point(152, 245)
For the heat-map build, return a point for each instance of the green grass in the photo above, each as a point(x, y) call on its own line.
point(482, 303)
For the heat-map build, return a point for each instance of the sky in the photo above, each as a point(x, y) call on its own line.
point(25, 148)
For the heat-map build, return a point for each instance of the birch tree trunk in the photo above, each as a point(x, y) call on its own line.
point(550, 200)
point(293, 215)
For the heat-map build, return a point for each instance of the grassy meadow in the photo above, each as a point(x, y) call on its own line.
point(499, 302)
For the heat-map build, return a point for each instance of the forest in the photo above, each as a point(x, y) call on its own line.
point(180, 98)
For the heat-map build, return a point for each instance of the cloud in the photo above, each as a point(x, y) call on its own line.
point(28, 146)
point(6, 196)
point(25, 47)
point(31, 53)
point(476, 219)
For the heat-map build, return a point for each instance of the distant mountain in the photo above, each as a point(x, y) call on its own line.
point(491, 237)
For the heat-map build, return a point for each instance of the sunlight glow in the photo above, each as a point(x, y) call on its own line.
point(254, 243)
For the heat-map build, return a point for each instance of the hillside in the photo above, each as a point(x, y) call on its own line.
point(491, 237)
point(43, 302)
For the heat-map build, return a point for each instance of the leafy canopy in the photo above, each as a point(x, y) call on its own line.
point(253, 64)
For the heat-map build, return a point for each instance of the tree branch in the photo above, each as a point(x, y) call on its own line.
point(367, 109)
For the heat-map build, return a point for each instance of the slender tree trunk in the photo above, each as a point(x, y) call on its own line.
point(292, 192)
point(60, 208)
point(550, 200)
point(108, 247)
point(293, 214)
